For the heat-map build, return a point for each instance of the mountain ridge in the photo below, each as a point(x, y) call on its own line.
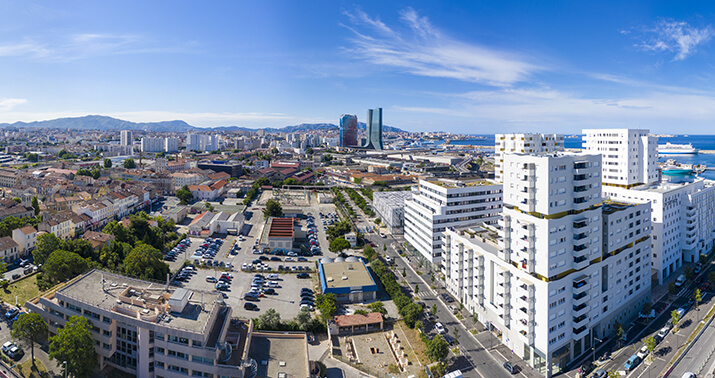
point(106, 123)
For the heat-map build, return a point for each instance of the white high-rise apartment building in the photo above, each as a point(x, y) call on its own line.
point(683, 224)
point(630, 156)
point(683, 220)
point(441, 203)
point(125, 138)
point(560, 268)
point(152, 144)
point(171, 144)
point(523, 143)
point(201, 142)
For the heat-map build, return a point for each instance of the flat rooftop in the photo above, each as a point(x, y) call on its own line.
point(141, 299)
point(346, 274)
point(280, 354)
point(447, 183)
point(610, 207)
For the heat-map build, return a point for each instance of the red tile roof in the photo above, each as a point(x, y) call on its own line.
point(357, 319)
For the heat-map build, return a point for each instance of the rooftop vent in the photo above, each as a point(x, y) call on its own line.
point(330, 279)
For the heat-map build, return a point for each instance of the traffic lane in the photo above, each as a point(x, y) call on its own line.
point(698, 355)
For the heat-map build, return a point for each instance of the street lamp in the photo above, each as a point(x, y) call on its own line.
point(594, 347)
point(65, 365)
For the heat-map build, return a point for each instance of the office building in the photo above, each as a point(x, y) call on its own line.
point(152, 144)
point(374, 129)
point(630, 156)
point(171, 144)
point(390, 207)
point(147, 329)
point(348, 130)
point(560, 268)
point(125, 138)
point(442, 203)
point(233, 168)
point(523, 143)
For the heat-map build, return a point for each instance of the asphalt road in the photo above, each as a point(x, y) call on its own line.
point(475, 359)
point(699, 356)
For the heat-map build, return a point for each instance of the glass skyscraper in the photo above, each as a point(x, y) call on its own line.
point(348, 130)
point(374, 129)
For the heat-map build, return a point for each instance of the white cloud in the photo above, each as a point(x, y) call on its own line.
point(85, 45)
point(425, 51)
point(675, 36)
point(6, 104)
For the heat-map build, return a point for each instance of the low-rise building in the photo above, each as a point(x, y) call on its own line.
point(356, 323)
point(9, 250)
point(390, 207)
point(347, 278)
point(26, 239)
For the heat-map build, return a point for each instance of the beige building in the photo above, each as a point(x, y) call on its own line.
point(26, 238)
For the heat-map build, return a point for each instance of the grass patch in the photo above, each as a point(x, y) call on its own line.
point(28, 371)
point(24, 290)
point(455, 351)
point(413, 336)
point(473, 331)
point(459, 316)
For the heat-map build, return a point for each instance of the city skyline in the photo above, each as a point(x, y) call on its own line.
point(463, 68)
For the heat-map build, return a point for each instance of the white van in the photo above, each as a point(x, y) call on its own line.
point(680, 281)
point(273, 284)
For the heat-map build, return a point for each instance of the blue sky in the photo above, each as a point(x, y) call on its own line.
point(469, 67)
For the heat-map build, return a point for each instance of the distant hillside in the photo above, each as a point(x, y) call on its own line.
point(96, 122)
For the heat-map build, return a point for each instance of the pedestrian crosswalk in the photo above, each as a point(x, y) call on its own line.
point(429, 293)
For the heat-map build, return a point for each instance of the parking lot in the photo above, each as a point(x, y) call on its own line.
point(287, 298)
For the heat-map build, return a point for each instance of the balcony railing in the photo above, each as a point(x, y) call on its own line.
point(580, 177)
point(580, 224)
point(579, 248)
point(580, 236)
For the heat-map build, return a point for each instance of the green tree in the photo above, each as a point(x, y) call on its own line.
point(270, 320)
point(672, 288)
point(437, 349)
point(338, 245)
point(46, 244)
point(36, 205)
point(410, 313)
point(121, 234)
point(145, 261)
point(327, 304)
point(711, 278)
point(650, 344)
point(30, 328)
point(614, 374)
point(647, 307)
point(697, 297)
point(304, 320)
point(434, 309)
point(107, 163)
point(619, 331)
point(688, 272)
point(62, 265)
point(73, 344)
point(184, 195)
point(129, 164)
point(703, 258)
point(273, 209)
point(417, 288)
point(675, 318)
point(378, 307)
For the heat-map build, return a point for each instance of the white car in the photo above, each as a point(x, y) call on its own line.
point(642, 352)
point(272, 276)
point(663, 332)
point(439, 328)
point(382, 235)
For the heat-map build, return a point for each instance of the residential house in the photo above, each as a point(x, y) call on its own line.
point(9, 250)
point(26, 239)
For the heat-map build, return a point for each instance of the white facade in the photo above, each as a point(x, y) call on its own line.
point(125, 138)
point(390, 206)
point(682, 217)
point(630, 156)
point(560, 268)
point(439, 204)
point(201, 142)
point(523, 143)
point(152, 144)
point(171, 144)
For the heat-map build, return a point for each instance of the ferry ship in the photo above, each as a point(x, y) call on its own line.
point(676, 149)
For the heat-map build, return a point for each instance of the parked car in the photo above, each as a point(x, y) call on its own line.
point(6, 347)
point(632, 362)
point(439, 328)
point(11, 313)
point(15, 352)
point(303, 275)
point(642, 352)
point(269, 291)
point(221, 286)
point(250, 306)
point(211, 279)
point(511, 368)
point(250, 297)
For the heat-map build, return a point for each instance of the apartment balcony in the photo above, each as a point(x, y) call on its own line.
point(581, 298)
point(580, 165)
point(581, 223)
point(580, 321)
point(579, 284)
point(580, 200)
point(580, 177)
point(580, 247)
point(581, 309)
point(579, 332)
point(580, 236)
point(690, 228)
point(580, 262)
point(581, 188)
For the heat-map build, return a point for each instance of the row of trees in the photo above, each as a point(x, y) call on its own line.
point(93, 173)
point(253, 192)
point(367, 192)
point(360, 202)
point(409, 310)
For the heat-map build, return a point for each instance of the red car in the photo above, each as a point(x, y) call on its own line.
point(705, 286)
